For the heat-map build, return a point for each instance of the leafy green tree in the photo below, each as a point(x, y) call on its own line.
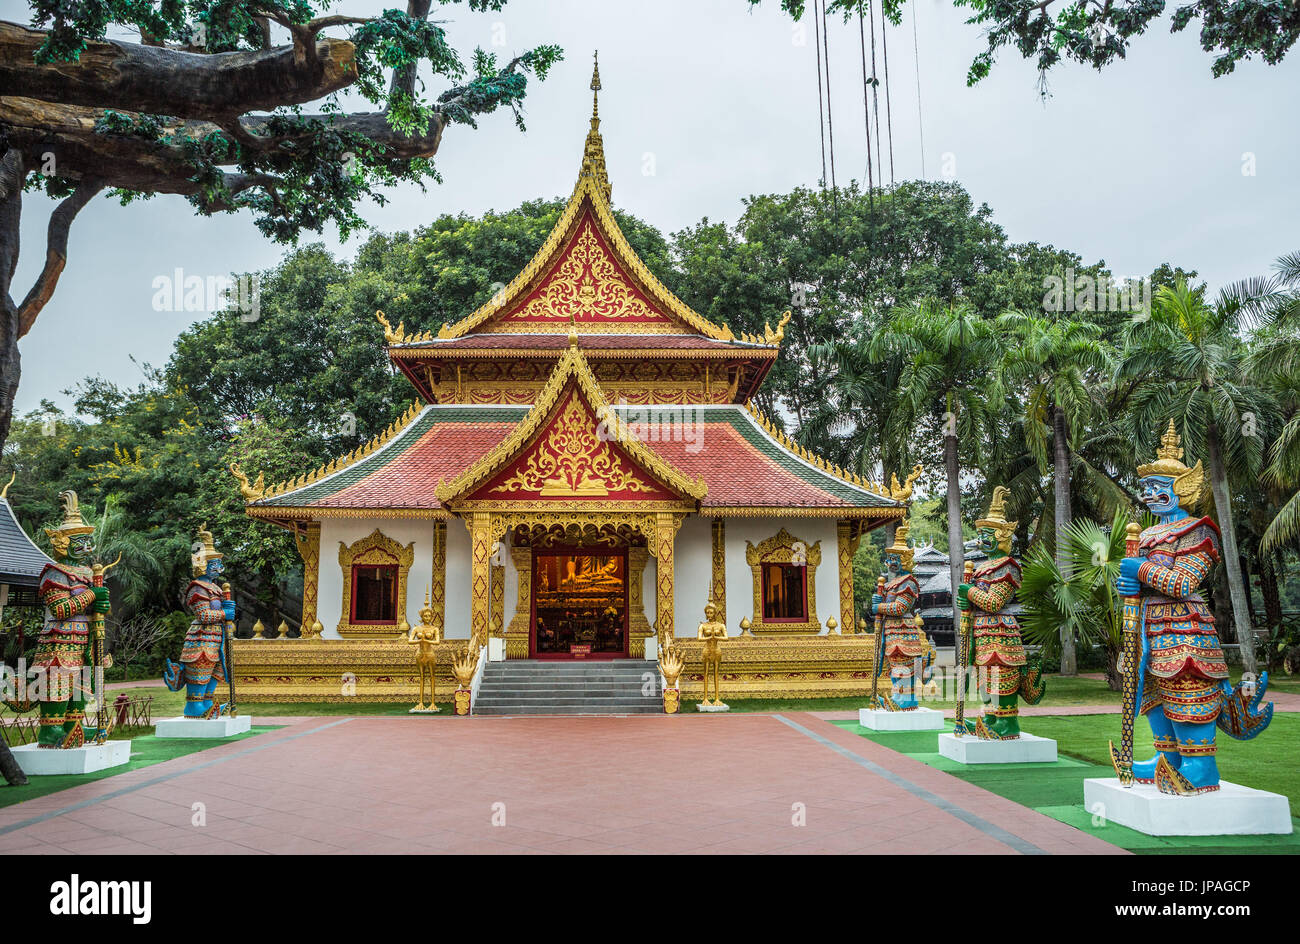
point(1097, 34)
point(1074, 596)
point(840, 260)
point(1053, 363)
point(945, 351)
point(208, 104)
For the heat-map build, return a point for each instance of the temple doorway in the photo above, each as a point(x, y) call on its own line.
point(580, 603)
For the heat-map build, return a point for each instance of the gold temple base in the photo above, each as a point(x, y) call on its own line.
point(790, 667)
point(382, 671)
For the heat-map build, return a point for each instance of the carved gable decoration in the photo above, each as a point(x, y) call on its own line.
point(573, 456)
point(585, 283)
point(571, 445)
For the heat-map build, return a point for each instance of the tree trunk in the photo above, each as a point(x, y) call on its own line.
point(1231, 558)
point(956, 557)
point(9, 768)
point(1268, 589)
point(1251, 613)
point(11, 196)
point(1113, 677)
point(1061, 486)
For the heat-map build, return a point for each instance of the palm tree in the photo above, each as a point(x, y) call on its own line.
point(1079, 597)
point(943, 353)
point(1190, 362)
point(1052, 364)
point(1275, 361)
point(852, 409)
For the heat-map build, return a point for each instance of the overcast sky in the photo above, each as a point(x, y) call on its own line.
point(708, 101)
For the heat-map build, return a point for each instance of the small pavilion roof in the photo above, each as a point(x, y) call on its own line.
point(21, 561)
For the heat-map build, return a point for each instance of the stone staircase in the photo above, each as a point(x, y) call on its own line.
point(534, 687)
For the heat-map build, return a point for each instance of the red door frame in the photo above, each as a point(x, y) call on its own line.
point(573, 550)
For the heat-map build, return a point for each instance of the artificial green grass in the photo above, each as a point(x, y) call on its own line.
point(146, 750)
point(1061, 692)
point(1267, 763)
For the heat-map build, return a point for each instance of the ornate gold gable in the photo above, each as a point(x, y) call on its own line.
point(573, 458)
point(587, 267)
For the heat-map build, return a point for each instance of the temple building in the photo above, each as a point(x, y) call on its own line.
point(581, 471)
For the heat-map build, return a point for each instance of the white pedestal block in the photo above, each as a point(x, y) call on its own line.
point(1232, 810)
point(222, 727)
point(496, 649)
point(39, 761)
point(1026, 749)
point(921, 719)
point(718, 707)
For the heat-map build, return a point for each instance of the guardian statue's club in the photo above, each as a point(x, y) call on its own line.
point(1182, 680)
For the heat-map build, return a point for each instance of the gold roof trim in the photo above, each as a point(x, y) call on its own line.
point(570, 365)
point(592, 184)
point(835, 471)
point(337, 465)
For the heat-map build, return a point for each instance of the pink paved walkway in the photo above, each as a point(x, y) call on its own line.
point(622, 785)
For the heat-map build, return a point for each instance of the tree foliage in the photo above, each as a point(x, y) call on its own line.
point(1097, 34)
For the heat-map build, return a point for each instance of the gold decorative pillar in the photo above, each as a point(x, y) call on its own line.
point(480, 580)
point(637, 625)
point(497, 609)
point(718, 586)
point(517, 632)
point(308, 544)
point(665, 536)
point(438, 580)
point(847, 544)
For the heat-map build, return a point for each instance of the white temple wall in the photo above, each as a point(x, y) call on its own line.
point(740, 576)
point(692, 575)
point(329, 600)
point(457, 608)
point(693, 569)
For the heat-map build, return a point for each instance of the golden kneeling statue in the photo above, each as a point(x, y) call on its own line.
point(426, 659)
point(712, 632)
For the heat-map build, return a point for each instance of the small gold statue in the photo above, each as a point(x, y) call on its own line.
point(463, 667)
point(426, 659)
point(671, 664)
point(712, 631)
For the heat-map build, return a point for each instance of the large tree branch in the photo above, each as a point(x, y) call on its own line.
point(404, 77)
point(164, 81)
point(56, 252)
point(68, 132)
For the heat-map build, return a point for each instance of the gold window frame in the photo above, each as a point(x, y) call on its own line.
point(780, 549)
point(375, 548)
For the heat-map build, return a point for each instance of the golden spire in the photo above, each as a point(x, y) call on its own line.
point(593, 152)
point(5, 491)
